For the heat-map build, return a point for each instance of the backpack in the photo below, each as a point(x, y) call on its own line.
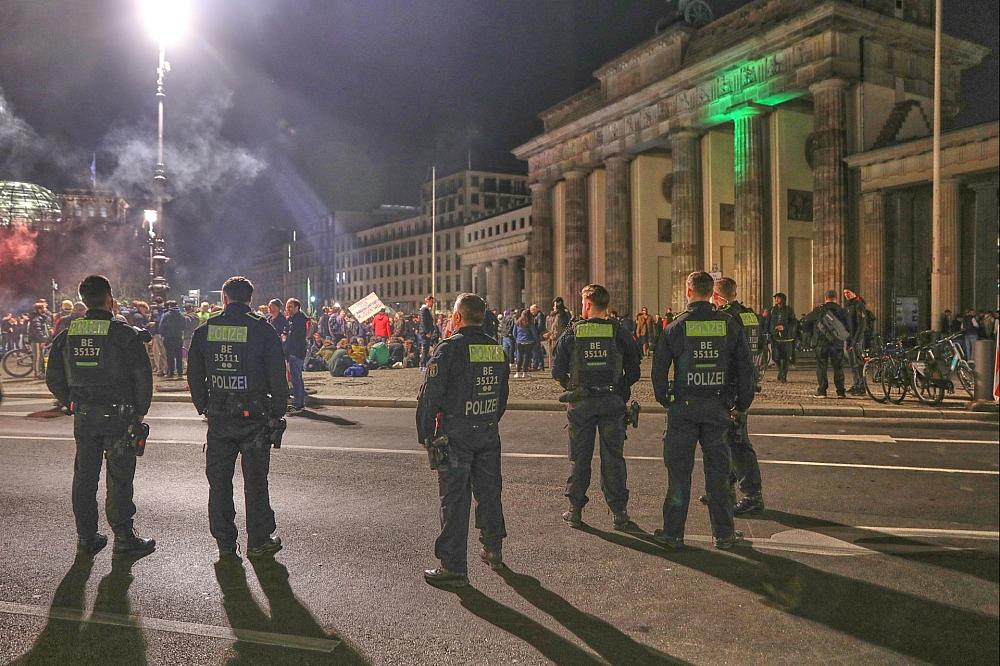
point(356, 370)
point(831, 328)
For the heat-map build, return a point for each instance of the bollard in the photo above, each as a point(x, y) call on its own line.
point(984, 354)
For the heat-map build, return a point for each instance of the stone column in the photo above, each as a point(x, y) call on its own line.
point(750, 183)
point(466, 278)
point(539, 265)
point(688, 231)
point(984, 258)
point(829, 184)
point(944, 254)
point(873, 276)
point(478, 285)
point(493, 284)
point(511, 293)
point(577, 242)
point(618, 232)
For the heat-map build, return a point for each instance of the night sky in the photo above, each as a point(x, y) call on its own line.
point(281, 109)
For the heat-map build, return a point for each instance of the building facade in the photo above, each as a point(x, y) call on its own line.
point(493, 257)
point(731, 147)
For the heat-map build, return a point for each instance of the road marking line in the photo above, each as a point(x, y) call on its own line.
point(946, 441)
point(173, 626)
point(883, 439)
point(553, 456)
point(929, 531)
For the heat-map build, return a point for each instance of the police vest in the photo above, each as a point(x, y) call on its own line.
point(91, 358)
point(487, 367)
point(751, 323)
point(226, 346)
point(703, 366)
point(596, 360)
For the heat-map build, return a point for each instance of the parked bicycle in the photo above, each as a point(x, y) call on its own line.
point(21, 362)
point(925, 366)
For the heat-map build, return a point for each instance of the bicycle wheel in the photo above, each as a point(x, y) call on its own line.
point(895, 380)
point(967, 378)
point(926, 392)
point(18, 362)
point(872, 372)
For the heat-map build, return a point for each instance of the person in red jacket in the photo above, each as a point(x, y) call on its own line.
point(382, 325)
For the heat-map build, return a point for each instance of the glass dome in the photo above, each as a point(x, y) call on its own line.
point(28, 204)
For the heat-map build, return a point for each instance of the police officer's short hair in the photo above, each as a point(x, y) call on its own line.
point(238, 289)
point(701, 283)
point(597, 295)
point(94, 291)
point(472, 307)
point(726, 286)
point(831, 295)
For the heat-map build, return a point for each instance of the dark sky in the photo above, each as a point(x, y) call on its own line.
point(271, 101)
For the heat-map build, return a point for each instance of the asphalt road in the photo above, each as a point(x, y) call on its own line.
point(877, 547)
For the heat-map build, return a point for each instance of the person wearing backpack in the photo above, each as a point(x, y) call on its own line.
point(828, 325)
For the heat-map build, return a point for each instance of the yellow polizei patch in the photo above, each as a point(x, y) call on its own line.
point(227, 333)
point(486, 354)
point(89, 327)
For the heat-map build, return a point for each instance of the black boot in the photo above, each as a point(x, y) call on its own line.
point(269, 547)
point(133, 544)
point(442, 577)
point(574, 517)
point(494, 558)
point(92, 545)
point(749, 504)
point(624, 524)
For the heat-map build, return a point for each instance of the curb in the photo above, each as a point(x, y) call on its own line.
point(875, 415)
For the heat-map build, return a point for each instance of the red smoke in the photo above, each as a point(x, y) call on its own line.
point(17, 245)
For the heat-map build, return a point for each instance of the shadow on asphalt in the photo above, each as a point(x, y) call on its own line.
point(325, 418)
point(288, 616)
point(83, 642)
point(603, 637)
point(973, 562)
point(921, 628)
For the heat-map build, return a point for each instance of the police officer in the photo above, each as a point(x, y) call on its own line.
point(713, 382)
point(236, 371)
point(464, 396)
point(597, 362)
point(745, 467)
point(99, 366)
point(781, 324)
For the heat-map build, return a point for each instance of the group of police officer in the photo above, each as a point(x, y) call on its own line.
point(99, 368)
point(464, 396)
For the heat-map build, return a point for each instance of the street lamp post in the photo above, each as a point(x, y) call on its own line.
point(165, 20)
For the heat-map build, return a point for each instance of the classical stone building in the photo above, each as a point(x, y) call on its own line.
point(768, 145)
point(493, 257)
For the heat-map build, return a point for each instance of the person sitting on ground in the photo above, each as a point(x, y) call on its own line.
point(411, 354)
point(341, 359)
point(359, 352)
point(378, 355)
point(396, 352)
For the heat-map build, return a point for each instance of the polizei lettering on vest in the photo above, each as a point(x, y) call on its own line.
point(229, 383)
point(481, 407)
point(717, 378)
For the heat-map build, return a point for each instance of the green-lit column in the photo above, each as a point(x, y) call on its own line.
point(829, 185)
point(750, 189)
point(687, 245)
point(539, 266)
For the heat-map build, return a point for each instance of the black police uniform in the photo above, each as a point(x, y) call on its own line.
point(782, 341)
point(466, 384)
point(236, 371)
point(745, 466)
point(598, 357)
point(828, 352)
point(100, 367)
point(714, 371)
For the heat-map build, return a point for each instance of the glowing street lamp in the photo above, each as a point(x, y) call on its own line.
point(165, 20)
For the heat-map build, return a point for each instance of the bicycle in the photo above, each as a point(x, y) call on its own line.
point(20, 362)
point(954, 356)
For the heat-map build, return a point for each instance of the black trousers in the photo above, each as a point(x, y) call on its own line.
point(95, 433)
point(603, 416)
point(830, 355)
point(474, 469)
point(781, 352)
point(746, 469)
point(227, 438)
point(175, 355)
point(690, 422)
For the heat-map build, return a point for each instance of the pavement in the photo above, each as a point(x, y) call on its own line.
point(878, 545)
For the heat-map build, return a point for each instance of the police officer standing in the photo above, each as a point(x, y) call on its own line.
point(745, 467)
point(781, 324)
point(713, 383)
point(597, 362)
point(236, 370)
point(99, 366)
point(463, 397)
